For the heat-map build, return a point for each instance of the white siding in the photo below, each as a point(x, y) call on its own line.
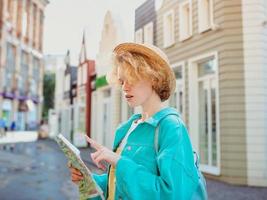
point(255, 37)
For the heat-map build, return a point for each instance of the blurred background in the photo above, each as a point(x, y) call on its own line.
point(54, 57)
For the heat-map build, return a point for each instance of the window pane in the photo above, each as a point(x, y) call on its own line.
point(178, 72)
point(213, 127)
point(180, 101)
point(10, 66)
point(203, 124)
point(207, 67)
point(24, 68)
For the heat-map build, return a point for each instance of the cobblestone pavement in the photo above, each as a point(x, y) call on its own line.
point(37, 170)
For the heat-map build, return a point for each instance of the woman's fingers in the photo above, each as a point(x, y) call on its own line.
point(93, 143)
point(96, 154)
point(99, 160)
point(69, 164)
point(98, 157)
point(75, 177)
point(75, 171)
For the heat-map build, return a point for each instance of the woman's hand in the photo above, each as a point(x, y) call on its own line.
point(102, 154)
point(76, 175)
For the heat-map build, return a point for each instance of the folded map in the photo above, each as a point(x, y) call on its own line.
point(88, 188)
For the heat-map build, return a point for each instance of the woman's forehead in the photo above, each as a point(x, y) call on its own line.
point(120, 73)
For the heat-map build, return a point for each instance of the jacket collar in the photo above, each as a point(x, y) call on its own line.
point(153, 121)
point(158, 116)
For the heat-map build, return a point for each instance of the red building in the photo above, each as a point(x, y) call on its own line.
point(85, 86)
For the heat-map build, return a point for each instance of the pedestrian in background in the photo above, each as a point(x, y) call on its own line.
point(43, 131)
point(152, 156)
point(13, 126)
point(2, 127)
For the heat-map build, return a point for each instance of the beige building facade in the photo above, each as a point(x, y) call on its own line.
point(21, 62)
point(216, 49)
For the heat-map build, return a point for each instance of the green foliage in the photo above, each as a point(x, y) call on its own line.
point(49, 93)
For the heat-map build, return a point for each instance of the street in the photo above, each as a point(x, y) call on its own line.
point(38, 170)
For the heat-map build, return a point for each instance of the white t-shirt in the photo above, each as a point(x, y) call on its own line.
point(133, 126)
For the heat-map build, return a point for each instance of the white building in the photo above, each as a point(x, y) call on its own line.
point(108, 109)
point(55, 64)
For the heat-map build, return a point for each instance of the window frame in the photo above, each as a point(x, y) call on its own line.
point(194, 108)
point(139, 36)
point(182, 65)
point(149, 37)
point(168, 40)
point(184, 36)
point(201, 27)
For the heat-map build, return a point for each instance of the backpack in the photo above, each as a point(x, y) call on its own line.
point(201, 191)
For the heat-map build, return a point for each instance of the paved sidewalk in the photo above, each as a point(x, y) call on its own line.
point(38, 170)
point(19, 136)
point(223, 191)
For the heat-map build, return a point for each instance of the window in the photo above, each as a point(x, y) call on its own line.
point(177, 100)
point(139, 36)
point(79, 82)
point(84, 75)
point(205, 15)
point(185, 20)
point(168, 29)
point(35, 77)
point(148, 33)
point(106, 119)
point(24, 23)
point(10, 66)
point(19, 17)
point(67, 83)
point(14, 13)
point(27, 20)
point(204, 110)
point(24, 70)
point(10, 6)
point(41, 25)
point(34, 29)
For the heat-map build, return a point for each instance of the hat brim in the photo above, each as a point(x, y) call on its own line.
point(143, 49)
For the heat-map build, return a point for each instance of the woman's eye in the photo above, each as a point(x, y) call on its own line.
point(121, 82)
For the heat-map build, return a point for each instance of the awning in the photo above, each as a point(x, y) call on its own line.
point(7, 105)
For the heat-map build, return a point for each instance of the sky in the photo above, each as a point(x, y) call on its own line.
point(65, 21)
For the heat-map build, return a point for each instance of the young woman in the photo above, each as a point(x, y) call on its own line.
point(152, 156)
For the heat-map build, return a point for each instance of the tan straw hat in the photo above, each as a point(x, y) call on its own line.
point(148, 50)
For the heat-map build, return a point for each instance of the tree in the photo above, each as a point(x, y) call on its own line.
point(49, 93)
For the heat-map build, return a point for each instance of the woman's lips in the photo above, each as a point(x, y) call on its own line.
point(128, 97)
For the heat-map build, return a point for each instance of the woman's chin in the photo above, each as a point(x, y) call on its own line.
point(131, 104)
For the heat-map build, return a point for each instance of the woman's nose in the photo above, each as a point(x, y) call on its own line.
point(125, 86)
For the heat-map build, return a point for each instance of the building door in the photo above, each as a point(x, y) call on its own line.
point(20, 121)
point(65, 123)
point(207, 122)
point(106, 117)
point(204, 110)
point(7, 112)
point(79, 130)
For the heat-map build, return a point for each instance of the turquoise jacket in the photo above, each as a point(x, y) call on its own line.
point(143, 174)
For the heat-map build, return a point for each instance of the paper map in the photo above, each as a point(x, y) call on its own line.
point(88, 188)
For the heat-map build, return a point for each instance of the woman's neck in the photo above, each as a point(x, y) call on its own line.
point(151, 106)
